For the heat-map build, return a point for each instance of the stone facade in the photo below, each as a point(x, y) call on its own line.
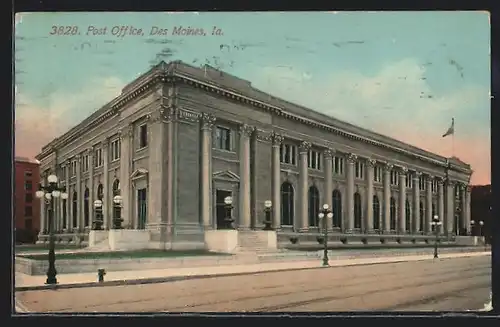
point(179, 138)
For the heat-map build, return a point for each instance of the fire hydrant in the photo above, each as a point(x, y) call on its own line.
point(100, 275)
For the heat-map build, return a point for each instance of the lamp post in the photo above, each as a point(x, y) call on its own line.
point(97, 223)
point(117, 219)
point(49, 192)
point(457, 221)
point(436, 222)
point(228, 204)
point(323, 216)
point(481, 223)
point(268, 208)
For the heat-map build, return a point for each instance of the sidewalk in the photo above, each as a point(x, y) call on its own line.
point(113, 278)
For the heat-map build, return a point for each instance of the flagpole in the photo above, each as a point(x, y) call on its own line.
point(453, 144)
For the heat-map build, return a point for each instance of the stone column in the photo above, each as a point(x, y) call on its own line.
point(402, 200)
point(43, 213)
point(351, 159)
point(450, 207)
point(441, 204)
point(90, 153)
point(107, 202)
point(276, 179)
point(69, 217)
point(126, 146)
point(303, 187)
point(244, 203)
point(428, 200)
point(416, 202)
point(387, 199)
point(369, 195)
point(328, 167)
point(463, 208)
point(207, 122)
point(467, 208)
point(80, 189)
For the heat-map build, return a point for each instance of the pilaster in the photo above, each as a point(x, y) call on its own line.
point(463, 207)
point(107, 201)
point(80, 190)
point(69, 202)
point(441, 204)
point(303, 222)
point(416, 201)
point(90, 153)
point(126, 148)
point(428, 200)
point(277, 139)
point(450, 207)
point(207, 122)
point(467, 207)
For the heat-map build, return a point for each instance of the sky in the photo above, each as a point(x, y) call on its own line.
point(402, 74)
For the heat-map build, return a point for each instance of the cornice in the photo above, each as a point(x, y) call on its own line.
point(168, 75)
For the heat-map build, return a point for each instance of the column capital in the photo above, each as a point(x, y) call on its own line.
point(402, 170)
point(68, 162)
point(207, 120)
point(371, 162)
point(164, 114)
point(328, 153)
point(388, 167)
point(89, 151)
point(417, 175)
point(304, 147)
point(78, 158)
point(440, 180)
point(105, 140)
point(468, 188)
point(246, 130)
point(352, 158)
point(276, 138)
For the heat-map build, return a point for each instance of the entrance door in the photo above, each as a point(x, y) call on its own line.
point(220, 195)
point(141, 208)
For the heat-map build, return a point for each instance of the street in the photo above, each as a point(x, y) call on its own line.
point(443, 285)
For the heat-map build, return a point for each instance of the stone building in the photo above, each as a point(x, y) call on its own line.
point(179, 139)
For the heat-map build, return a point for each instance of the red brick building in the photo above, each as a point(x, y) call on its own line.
point(26, 205)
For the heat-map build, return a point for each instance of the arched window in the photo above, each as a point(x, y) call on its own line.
point(422, 217)
point(407, 216)
point(100, 192)
point(393, 214)
point(337, 208)
point(86, 208)
point(313, 206)
point(116, 191)
point(287, 209)
point(376, 213)
point(75, 209)
point(357, 210)
point(64, 214)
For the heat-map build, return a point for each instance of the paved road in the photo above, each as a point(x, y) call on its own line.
point(443, 284)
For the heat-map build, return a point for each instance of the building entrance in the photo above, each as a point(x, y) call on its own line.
point(221, 211)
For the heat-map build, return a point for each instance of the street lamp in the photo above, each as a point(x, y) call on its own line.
point(323, 216)
point(97, 223)
point(117, 220)
point(267, 209)
point(50, 192)
point(228, 221)
point(457, 221)
point(435, 222)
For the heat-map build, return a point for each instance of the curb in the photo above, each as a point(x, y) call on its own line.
point(156, 280)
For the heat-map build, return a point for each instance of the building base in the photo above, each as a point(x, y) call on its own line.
point(224, 241)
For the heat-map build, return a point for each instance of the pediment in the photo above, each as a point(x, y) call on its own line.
point(227, 175)
point(138, 173)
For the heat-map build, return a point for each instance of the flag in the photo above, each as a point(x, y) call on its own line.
point(450, 130)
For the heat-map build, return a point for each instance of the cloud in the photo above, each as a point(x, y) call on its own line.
point(36, 125)
point(396, 101)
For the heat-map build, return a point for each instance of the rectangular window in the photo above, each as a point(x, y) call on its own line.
point(288, 154)
point(377, 174)
point(394, 178)
point(98, 160)
point(28, 198)
point(85, 163)
point(28, 211)
point(115, 150)
point(409, 181)
point(314, 160)
point(223, 138)
point(28, 174)
point(338, 165)
point(143, 136)
point(28, 185)
point(73, 168)
point(359, 169)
